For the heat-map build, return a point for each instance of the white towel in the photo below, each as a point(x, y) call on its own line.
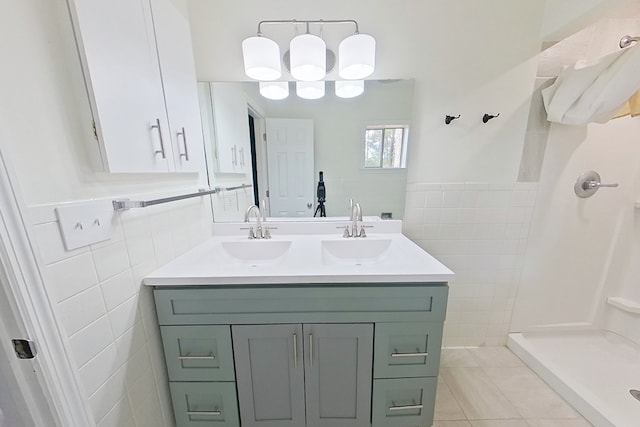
point(594, 93)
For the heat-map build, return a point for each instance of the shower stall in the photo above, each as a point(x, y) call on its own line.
point(576, 318)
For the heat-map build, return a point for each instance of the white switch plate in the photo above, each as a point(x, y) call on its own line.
point(85, 223)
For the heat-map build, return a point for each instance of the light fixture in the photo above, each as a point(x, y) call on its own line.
point(310, 90)
point(274, 90)
point(357, 57)
point(261, 58)
point(308, 57)
point(349, 88)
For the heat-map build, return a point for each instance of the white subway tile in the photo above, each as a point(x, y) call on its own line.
point(98, 370)
point(428, 186)
point(137, 364)
point(70, 276)
point(414, 216)
point(81, 309)
point(433, 199)
point(477, 186)
point(50, 246)
point(124, 316)
point(88, 342)
point(143, 388)
point(510, 247)
point(118, 289)
point(140, 271)
point(416, 199)
point(111, 260)
point(121, 416)
point(163, 247)
point(117, 235)
point(452, 199)
point(432, 216)
point(140, 250)
point(469, 199)
point(132, 341)
point(453, 186)
point(449, 216)
point(149, 413)
point(512, 231)
point(109, 394)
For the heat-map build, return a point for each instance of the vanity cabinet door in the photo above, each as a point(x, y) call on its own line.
point(338, 364)
point(117, 47)
point(269, 375)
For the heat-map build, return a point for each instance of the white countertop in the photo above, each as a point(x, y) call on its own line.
point(305, 262)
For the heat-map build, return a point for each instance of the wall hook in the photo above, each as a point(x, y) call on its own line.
point(488, 117)
point(448, 119)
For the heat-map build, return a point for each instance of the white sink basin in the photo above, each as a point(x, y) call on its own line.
point(354, 251)
point(260, 250)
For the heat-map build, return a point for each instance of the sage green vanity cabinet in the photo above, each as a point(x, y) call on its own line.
point(335, 355)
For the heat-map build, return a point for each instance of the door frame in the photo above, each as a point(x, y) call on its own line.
point(260, 130)
point(25, 291)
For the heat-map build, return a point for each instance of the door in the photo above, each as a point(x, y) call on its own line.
point(290, 167)
point(175, 53)
point(269, 375)
point(338, 361)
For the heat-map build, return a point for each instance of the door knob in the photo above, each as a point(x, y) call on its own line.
point(309, 205)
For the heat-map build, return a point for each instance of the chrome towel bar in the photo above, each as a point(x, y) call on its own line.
point(125, 204)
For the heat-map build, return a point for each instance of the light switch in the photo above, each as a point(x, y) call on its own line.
point(85, 223)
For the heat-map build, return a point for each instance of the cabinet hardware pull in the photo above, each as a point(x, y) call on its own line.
point(416, 354)
point(204, 412)
point(295, 350)
point(311, 349)
point(234, 156)
point(405, 407)
point(184, 142)
point(161, 150)
point(190, 357)
point(242, 157)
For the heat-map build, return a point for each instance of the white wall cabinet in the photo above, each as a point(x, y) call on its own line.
point(231, 127)
point(140, 74)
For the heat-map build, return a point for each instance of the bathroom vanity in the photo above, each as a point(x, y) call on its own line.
point(303, 329)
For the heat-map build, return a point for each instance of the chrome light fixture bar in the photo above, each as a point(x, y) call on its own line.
point(307, 55)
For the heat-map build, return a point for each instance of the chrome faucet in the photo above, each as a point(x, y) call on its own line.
point(356, 215)
point(259, 233)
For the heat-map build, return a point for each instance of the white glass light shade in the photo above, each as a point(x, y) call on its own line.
point(308, 54)
point(261, 58)
point(356, 57)
point(349, 88)
point(274, 90)
point(310, 90)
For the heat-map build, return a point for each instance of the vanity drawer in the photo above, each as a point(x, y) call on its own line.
point(331, 303)
point(198, 353)
point(403, 402)
point(205, 404)
point(407, 349)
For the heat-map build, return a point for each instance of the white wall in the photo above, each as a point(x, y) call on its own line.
point(105, 316)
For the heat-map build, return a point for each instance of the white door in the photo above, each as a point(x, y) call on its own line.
point(290, 167)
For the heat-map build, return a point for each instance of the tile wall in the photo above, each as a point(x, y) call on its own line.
point(108, 317)
point(480, 231)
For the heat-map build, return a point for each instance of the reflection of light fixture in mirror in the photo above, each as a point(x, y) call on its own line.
point(310, 90)
point(349, 88)
point(308, 57)
point(356, 56)
point(261, 58)
point(274, 90)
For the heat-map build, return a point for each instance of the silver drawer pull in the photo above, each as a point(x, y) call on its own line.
point(416, 354)
point(213, 413)
point(405, 407)
point(190, 357)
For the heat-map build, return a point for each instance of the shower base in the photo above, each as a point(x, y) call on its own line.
point(593, 370)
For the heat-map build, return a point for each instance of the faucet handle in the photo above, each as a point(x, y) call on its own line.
point(266, 233)
point(252, 234)
point(362, 232)
point(346, 232)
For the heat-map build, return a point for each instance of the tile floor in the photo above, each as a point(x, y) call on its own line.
point(491, 387)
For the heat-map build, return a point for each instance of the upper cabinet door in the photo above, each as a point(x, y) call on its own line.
point(338, 374)
point(173, 36)
point(118, 50)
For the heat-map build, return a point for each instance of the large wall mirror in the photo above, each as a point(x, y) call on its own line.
point(272, 152)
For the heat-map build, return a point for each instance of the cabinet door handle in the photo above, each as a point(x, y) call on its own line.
point(311, 350)
point(190, 357)
point(184, 142)
point(214, 413)
point(404, 407)
point(234, 156)
point(416, 354)
point(242, 157)
point(161, 150)
point(295, 350)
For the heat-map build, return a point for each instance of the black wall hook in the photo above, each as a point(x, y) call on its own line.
point(488, 117)
point(449, 119)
